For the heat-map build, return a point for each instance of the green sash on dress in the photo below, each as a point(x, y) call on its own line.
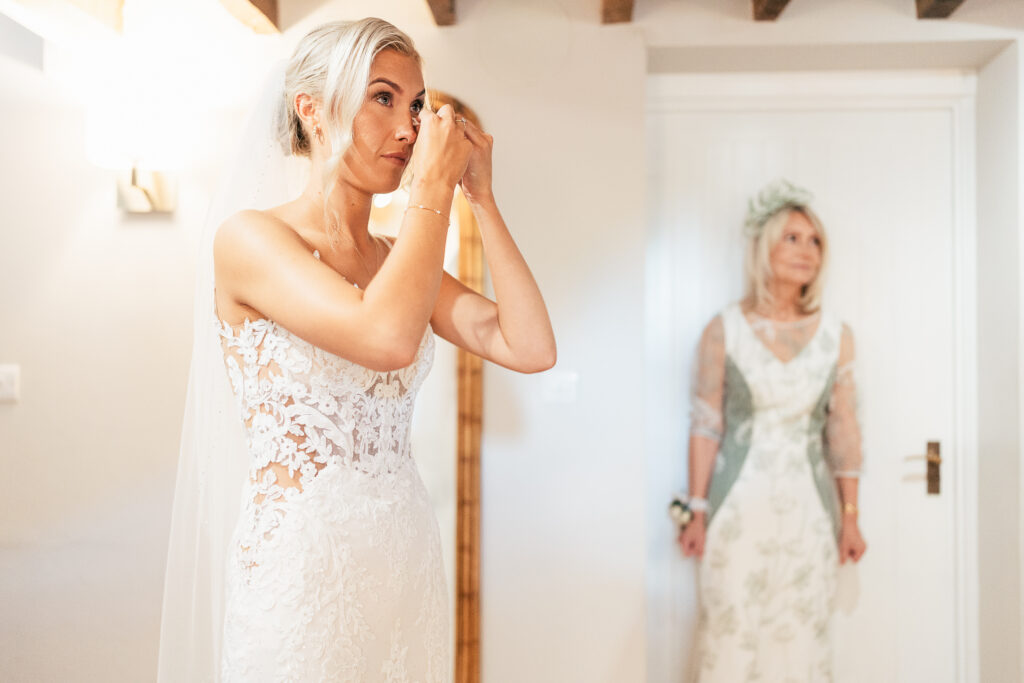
point(738, 415)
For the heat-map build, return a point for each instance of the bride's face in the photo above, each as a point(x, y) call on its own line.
point(384, 128)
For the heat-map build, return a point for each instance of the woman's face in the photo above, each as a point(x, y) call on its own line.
point(384, 128)
point(796, 257)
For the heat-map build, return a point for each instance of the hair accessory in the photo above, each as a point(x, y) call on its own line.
point(427, 208)
point(776, 196)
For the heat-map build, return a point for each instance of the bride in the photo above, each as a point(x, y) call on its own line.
point(303, 545)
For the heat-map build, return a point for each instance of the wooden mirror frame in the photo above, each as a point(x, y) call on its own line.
point(469, 380)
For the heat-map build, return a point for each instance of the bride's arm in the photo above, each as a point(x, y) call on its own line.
point(263, 264)
point(514, 330)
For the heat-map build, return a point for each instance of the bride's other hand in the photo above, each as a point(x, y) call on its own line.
point(442, 149)
point(476, 183)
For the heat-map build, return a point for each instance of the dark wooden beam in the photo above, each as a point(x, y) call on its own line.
point(768, 10)
point(259, 15)
point(937, 9)
point(443, 11)
point(616, 11)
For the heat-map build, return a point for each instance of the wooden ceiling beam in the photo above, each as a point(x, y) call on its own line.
point(937, 9)
point(259, 15)
point(443, 11)
point(107, 12)
point(616, 11)
point(768, 10)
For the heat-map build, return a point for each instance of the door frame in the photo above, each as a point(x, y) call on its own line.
point(951, 91)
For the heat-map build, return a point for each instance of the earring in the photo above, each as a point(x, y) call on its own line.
point(319, 133)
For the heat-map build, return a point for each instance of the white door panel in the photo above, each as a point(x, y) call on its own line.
point(885, 179)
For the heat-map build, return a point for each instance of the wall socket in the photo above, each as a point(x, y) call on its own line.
point(10, 383)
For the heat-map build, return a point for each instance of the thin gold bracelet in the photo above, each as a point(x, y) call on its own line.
point(427, 208)
point(849, 508)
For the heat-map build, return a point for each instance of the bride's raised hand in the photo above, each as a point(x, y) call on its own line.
point(476, 183)
point(442, 149)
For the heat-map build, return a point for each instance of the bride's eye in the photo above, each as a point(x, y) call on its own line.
point(383, 98)
point(417, 106)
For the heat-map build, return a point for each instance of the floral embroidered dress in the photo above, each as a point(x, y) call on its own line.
point(779, 399)
point(335, 572)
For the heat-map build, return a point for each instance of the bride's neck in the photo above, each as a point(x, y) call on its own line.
point(348, 211)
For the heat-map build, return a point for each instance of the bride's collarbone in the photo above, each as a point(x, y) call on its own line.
point(350, 264)
point(344, 259)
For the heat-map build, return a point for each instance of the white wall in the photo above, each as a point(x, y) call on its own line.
point(998, 139)
point(20, 44)
point(96, 310)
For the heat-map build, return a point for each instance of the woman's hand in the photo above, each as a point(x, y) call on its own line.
point(442, 148)
point(851, 544)
point(691, 539)
point(476, 183)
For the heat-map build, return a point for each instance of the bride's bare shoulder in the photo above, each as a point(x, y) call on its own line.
point(252, 234)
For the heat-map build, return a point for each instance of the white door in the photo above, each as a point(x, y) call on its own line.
point(889, 159)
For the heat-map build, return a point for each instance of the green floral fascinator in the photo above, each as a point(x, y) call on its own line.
point(776, 196)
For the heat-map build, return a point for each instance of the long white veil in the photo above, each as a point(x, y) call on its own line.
point(213, 463)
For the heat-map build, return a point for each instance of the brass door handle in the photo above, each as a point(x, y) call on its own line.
point(934, 460)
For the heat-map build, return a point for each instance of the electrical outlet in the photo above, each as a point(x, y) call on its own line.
point(10, 383)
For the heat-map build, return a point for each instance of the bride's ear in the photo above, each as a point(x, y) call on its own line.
point(307, 109)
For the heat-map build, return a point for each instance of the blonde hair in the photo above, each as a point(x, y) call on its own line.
point(759, 263)
point(332, 64)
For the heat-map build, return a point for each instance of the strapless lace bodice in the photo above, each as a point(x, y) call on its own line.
point(305, 408)
point(335, 571)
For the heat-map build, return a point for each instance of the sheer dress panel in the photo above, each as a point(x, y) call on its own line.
point(785, 340)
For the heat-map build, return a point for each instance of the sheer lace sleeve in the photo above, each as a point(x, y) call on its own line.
point(842, 428)
point(709, 383)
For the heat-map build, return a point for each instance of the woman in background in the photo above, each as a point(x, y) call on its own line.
point(775, 453)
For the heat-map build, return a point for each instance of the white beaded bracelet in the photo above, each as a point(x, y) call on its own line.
point(698, 504)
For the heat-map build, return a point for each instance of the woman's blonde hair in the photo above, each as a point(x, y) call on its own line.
point(759, 263)
point(332, 64)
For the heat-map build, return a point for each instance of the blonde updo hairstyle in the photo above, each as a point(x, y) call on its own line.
point(759, 261)
point(332, 64)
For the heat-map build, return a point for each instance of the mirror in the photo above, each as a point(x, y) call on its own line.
point(447, 424)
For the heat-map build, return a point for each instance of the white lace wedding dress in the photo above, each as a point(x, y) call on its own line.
point(335, 570)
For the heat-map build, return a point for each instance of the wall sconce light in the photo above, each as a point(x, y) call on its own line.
point(144, 191)
point(140, 138)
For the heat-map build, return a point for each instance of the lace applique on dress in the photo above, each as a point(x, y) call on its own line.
point(337, 543)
